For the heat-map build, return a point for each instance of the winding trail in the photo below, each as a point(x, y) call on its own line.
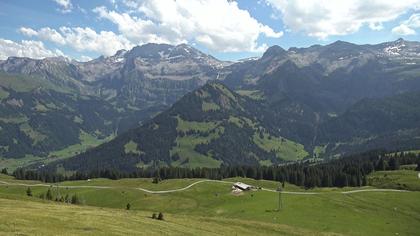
point(375, 190)
point(195, 183)
point(182, 189)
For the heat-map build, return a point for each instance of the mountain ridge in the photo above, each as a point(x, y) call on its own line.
point(296, 89)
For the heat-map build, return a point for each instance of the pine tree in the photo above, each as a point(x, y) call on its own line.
point(128, 206)
point(154, 216)
point(4, 171)
point(382, 165)
point(364, 181)
point(160, 216)
point(49, 196)
point(29, 192)
point(394, 164)
point(75, 199)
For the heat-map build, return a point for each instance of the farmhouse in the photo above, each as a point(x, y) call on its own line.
point(242, 186)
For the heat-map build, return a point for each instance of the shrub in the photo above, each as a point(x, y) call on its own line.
point(75, 199)
point(160, 216)
point(29, 192)
point(49, 196)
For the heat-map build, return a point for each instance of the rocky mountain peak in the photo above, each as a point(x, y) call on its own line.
point(274, 51)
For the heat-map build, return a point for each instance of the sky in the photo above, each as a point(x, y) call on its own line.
point(227, 29)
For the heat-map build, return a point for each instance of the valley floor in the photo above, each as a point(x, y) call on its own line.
point(203, 207)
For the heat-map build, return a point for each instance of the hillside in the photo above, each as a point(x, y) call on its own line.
point(308, 86)
point(206, 128)
point(55, 107)
point(99, 221)
point(207, 208)
point(300, 101)
point(388, 123)
point(214, 126)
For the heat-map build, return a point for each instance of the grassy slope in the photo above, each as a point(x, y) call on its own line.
point(86, 141)
point(284, 148)
point(185, 145)
point(18, 218)
point(388, 212)
point(401, 179)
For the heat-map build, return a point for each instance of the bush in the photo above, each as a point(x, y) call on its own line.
point(128, 206)
point(75, 199)
point(154, 216)
point(49, 196)
point(156, 180)
point(160, 216)
point(29, 192)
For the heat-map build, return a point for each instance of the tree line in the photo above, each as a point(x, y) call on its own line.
point(348, 171)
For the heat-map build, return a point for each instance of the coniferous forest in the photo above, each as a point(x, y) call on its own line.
point(343, 172)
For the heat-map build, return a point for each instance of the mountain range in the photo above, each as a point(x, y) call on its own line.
point(174, 105)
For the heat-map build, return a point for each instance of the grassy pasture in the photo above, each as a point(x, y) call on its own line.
point(329, 212)
point(401, 179)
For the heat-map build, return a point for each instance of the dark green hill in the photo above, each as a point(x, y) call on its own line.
point(322, 97)
point(214, 125)
point(388, 123)
point(207, 127)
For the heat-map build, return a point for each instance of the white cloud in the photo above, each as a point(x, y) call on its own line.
point(65, 5)
point(84, 58)
point(219, 25)
point(408, 27)
point(82, 39)
point(44, 34)
point(323, 18)
point(403, 30)
point(25, 48)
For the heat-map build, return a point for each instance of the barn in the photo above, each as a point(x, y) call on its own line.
point(242, 186)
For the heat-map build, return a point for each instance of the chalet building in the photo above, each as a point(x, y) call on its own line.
point(242, 186)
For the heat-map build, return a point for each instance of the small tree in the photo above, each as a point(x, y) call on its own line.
point(394, 164)
point(154, 216)
point(4, 171)
point(160, 216)
point(49, 196)
point(67, 198)
point(418, 166)
point(128, 206)
point(29, 192)
point(75, 199)
point(156, 179)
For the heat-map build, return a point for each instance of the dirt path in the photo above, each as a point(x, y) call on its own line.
point(374, 190)
point(195, 183)
point(182, 189)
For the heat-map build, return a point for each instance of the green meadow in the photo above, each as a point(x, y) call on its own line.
point(210, 208)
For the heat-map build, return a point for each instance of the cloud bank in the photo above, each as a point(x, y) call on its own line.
point(324, 18)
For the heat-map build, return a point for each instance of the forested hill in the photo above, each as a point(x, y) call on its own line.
point(320, 101)
point(207, 127)
point(388, 123)
point(214, 126)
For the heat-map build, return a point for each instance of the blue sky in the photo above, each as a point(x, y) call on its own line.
point(226, 29)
